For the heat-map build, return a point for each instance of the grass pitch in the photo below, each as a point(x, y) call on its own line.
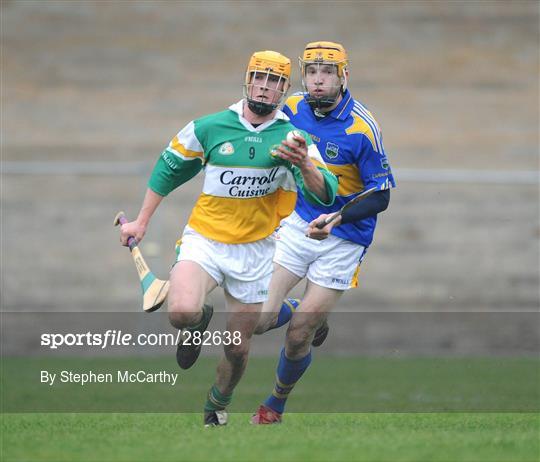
point(314, 437)
point(467, 389)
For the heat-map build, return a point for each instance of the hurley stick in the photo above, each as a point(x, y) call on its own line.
point(333, 216)
point(154, 290)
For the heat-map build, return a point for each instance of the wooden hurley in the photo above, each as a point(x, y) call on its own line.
point(154, 290)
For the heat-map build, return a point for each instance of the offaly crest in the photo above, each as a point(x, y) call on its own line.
point(226, 149)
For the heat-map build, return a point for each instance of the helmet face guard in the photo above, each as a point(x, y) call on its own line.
point(269, 81)
point(316, 56)
point(270, 72)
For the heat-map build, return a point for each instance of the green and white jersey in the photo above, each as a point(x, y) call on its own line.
point(246, 191)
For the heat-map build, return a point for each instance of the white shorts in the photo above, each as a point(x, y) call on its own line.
point(332, 262)
point(243, 270)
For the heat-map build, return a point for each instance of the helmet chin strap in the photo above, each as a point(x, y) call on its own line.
point(320, 103)
point(326, 101)
point(260, 108)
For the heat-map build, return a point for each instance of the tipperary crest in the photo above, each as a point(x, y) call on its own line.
point(226, 149)
point(384, 163)
point(332, 150)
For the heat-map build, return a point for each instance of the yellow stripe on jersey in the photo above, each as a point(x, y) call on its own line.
point(317, 163)
point(372, 119)
point(348, 177)
point(238, 221)
point(292, 102)
point(185, 153)
point(359, 125)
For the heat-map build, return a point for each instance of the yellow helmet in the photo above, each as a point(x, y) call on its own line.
point(321, 53)
point(326, 52)
point(271, 61)
point(267, 63)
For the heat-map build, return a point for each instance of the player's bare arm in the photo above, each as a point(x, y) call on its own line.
point(296, 152)
point(137, 227)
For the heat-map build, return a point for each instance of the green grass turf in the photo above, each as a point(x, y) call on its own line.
point(402, 390)
point(314, 437)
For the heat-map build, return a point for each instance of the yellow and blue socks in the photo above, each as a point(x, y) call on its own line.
point(216, 400)
point(288, 307)
point(288, 373)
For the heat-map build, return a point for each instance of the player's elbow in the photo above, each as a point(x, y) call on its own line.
point(384, 200)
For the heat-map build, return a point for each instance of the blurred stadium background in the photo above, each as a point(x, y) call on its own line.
point(93, 91)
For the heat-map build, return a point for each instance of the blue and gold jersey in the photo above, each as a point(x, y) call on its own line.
point(350, 142)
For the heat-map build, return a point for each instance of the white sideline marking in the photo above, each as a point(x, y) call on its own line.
point(524, 177)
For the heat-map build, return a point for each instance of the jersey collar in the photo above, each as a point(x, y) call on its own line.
point(239, 109)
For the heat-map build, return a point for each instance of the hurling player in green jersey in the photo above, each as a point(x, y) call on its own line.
point(252, 175)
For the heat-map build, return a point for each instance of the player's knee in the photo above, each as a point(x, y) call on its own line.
point(238, 352)
point(298, 338)
point(182, 314)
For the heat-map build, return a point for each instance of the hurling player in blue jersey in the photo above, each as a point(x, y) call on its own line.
point(350, 141)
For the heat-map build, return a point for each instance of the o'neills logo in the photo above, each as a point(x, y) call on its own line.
point(248, 186)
